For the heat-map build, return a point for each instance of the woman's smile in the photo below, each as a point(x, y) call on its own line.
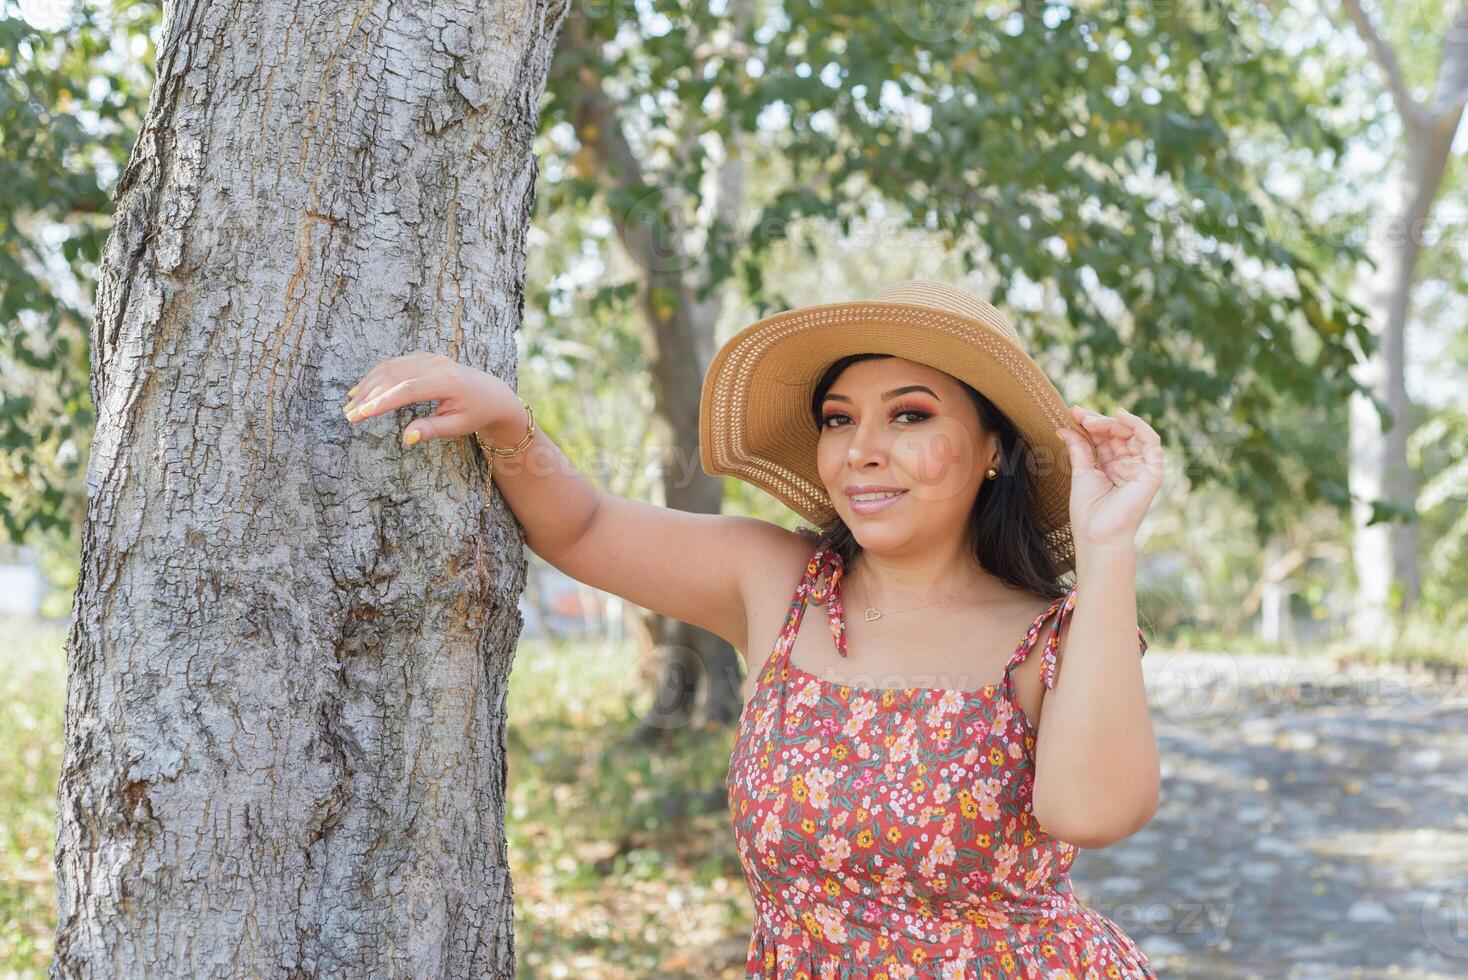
point(874, 503)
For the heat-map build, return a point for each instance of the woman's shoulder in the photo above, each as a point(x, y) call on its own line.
point(780, 565)
point(1038, 597)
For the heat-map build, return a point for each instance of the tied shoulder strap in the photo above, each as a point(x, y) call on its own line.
point(1050, 655)
point(823, 586)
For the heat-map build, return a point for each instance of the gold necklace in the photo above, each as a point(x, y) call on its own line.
point(873, 613)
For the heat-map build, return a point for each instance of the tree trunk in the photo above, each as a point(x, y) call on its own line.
point(1386, 553)
point(699, 678)
point(699, 681)
point(288, 659)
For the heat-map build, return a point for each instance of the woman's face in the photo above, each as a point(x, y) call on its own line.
point(925, 443)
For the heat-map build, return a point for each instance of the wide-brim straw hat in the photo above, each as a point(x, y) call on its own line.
point(754, 414)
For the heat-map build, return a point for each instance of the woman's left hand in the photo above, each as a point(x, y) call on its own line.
point(1112, 486)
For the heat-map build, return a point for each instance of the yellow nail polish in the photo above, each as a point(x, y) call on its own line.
point(351, 391)
point(413, 436)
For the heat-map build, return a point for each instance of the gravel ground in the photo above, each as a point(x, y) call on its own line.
point(1314, 823)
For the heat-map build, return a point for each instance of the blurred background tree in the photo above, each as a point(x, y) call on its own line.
point(1387, 541)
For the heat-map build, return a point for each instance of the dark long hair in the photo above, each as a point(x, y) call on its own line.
point(1001, 529)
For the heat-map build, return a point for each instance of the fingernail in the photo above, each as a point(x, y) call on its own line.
point(351, 391)
point(413, 436)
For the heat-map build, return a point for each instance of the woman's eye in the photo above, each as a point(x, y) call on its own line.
point(916, 414)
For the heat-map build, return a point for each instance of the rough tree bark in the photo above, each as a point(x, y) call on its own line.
point(288, 659)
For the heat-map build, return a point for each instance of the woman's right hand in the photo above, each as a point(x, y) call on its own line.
point(469, 400)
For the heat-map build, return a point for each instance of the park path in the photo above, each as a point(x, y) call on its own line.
point(1313, 823)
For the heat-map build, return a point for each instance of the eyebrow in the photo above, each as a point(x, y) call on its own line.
point(886, 395)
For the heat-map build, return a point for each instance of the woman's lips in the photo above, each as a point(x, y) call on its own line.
point(865, 507)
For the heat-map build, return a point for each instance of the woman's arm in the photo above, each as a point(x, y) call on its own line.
point(696, 568)
point(1097, 772)
point(1097, 775)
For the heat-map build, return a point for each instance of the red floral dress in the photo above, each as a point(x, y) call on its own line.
point(887, 833)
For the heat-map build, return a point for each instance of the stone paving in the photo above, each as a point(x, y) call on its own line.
point(1314, 823)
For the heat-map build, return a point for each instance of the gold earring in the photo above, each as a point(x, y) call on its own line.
point(992, 473)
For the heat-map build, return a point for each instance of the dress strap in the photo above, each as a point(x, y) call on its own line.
point(820, 584)
point(1065, 605)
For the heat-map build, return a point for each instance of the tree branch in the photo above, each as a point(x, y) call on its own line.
point(1412, 113)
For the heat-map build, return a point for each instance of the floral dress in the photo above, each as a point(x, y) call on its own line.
point(887, 833)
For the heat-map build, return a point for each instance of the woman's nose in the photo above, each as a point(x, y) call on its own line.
point(866, 444)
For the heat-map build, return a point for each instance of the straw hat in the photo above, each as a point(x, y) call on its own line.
point(754, 414)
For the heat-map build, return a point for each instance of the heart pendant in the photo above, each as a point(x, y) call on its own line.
point(872, 614)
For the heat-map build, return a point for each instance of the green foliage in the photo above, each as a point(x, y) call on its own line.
point(583, 367)
point(1438, 449)
point(1114, 154)
point(71, 102)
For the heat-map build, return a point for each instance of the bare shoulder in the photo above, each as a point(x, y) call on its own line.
point(770, 577)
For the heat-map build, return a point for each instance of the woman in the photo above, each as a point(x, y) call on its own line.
point(908, 788)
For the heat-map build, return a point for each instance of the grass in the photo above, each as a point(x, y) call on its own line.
point(622, 856)
point(1416, 644)
point(1434, 645)
point(32, 705)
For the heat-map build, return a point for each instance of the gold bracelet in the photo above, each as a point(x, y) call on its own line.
point(490, 452)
